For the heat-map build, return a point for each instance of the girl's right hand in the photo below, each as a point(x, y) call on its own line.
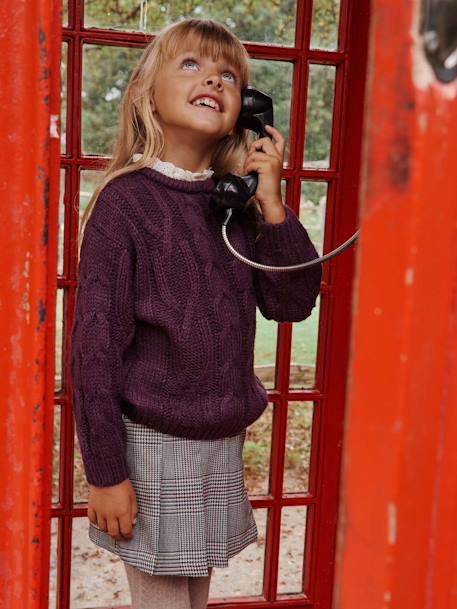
point(113, 509)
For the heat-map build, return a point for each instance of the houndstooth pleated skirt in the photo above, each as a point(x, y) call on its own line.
point(193, 507)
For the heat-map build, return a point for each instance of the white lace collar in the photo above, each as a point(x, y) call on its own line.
point(173, 171)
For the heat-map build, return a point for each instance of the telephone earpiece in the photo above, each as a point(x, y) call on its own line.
point(232, 191)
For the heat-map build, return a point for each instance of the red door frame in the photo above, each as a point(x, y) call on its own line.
point(398, 539)
point(335, 308)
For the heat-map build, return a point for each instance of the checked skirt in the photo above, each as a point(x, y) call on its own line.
point(193, 508)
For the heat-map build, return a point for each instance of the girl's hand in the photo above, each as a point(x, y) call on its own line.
point(266, 157)
point(113, 509)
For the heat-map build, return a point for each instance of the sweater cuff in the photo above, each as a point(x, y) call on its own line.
point(107, 472)
point(277, 236)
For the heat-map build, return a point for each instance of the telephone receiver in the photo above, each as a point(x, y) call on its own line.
point(232, 191)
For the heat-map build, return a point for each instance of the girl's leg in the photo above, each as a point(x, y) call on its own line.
point(157, 591)
point(199, 591)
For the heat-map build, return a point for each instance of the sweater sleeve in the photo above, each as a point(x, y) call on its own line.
point(285, 296)
point(102, 330)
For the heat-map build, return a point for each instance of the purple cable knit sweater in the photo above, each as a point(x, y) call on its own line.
point(165, 315)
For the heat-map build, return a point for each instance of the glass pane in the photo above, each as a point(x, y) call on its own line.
point(88, 182)
point(298, 447)
point(304, 350)
point(275, 79)
point(98, 577)
point(106, 71)
point(60, 236)
point(244, 576)
point(319, 116)
point(271, 21)
point(56, 454)
point(63, 98)
point(265, 350)
point(291, 550)
point(257, 454)
point(53, 565)
point(80, 487)
point(324, 26)
point(313, 204)
point(58, 355)
point(65, 13)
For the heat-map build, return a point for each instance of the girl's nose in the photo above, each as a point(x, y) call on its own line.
point(210, 80)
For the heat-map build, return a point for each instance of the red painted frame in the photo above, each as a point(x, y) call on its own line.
point(335, 315)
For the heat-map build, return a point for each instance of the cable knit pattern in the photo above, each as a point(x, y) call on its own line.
point(165, 315)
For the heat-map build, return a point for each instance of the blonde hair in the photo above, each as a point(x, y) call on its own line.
point(140, 132)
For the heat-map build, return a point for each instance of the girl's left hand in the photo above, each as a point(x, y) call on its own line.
point(266, 157)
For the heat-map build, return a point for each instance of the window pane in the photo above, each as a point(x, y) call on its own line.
point(88, 181)
point(304, 350)
point(53, 565)
point(257, 454)
point(56, 454)
point(60, 236)
point(313, 204)
point(65, 13)
point(58, 339)
point(80, 487)
point(63, 98)
point(271, 21)
point(298, 447)
point(291, 551)
point(275, 79)
point(98, 577)
point(244, 576)
point(265, 350)
point(325, 23)
point(106, 71)
point(319, 115)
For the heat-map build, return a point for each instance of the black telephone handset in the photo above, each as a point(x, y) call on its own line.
point(234, 191)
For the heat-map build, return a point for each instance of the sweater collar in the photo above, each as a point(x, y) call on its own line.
point(206, 185)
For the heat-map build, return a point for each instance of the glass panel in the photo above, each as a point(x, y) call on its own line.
point(271, 21)
point(313, 204)
point(304, 350)
point(53, 564)
point(98, 577)
point(319, 116)
point(60, 236)
point(56, 454)
point(298, 447)
point(80, 487)
point(106, 71)
point(65, 13)
point(63, 99)
point(58, 356)
point(265, 350)
point(88, 182)
point(291, 550)
point(324, 26)
point(244, 576)
point(275, 79)
point(257, 454)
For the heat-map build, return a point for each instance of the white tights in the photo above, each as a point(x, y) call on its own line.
point(167, 591)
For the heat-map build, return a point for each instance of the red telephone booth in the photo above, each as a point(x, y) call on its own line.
point(311, 56)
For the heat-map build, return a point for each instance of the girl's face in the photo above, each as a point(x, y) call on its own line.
point(186, 78)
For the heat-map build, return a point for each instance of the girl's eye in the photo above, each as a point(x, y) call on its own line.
point(189, 60)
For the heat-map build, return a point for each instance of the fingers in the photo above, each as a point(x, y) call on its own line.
point(275, 147)
point(133, 508)
point(259, 162)
point(91, 515)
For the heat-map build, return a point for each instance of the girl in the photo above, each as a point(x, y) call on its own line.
point(163, 338)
